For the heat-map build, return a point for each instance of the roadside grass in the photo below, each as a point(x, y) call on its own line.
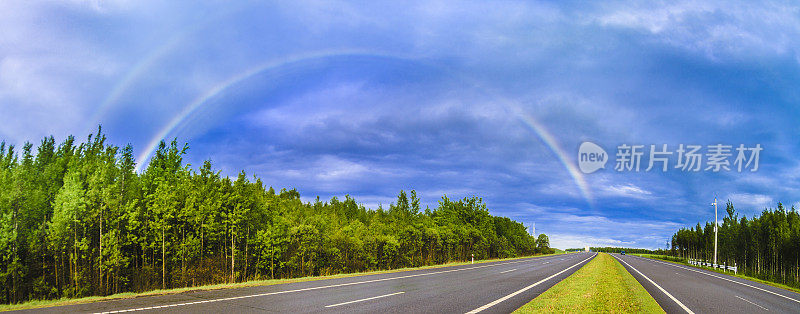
point(684, 262)
point(253, 283)
point(601, 286)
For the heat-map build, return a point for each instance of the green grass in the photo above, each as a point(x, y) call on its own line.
point(128, 295)
point(601, 286)
point(682, 261)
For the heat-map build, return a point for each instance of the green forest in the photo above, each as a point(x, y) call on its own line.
point(765, 247)
point(77, 220)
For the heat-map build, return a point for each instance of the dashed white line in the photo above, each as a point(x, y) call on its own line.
point(723, 278)
point(751, 302)
point(510, 270)
point(657, 286)
point(311, 288)
point(495, 302)
point(366, 299)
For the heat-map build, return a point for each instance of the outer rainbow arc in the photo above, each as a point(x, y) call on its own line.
point(133, 74)
point(238, 78)
point(218, 89)
point(141, 67)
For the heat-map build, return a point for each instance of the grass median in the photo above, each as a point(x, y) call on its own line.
point(602, 285)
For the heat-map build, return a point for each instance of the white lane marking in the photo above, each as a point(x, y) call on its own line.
point(316, 288)
point(366, 299)
point(510, 270)
point(723, 278)
point(495, 302)
point(751, 302)
point(657, 286)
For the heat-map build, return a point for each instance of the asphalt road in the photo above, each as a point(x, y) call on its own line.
point(684, 289)
point(495, 287)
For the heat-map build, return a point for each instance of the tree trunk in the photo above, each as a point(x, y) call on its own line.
point(183, 257)
point(100, 265)
point(163, 261)
point(75, 258)
point(244, 274)
point(233, 255)
point(202, 250)
point(271, 262)
point(55, 265)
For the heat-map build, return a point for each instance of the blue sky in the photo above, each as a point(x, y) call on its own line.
point(469, 98)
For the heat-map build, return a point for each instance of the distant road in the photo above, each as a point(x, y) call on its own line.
point(684, 289)
point(494, 287)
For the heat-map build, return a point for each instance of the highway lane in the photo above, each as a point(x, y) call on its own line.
point(494, 287)
point(684, 289)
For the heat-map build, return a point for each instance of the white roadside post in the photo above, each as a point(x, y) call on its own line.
point(473, 258)
point(715, 231)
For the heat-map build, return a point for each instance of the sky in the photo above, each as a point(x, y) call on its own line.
point(488, 99)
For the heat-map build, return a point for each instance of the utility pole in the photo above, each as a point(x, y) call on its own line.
point(715, 231)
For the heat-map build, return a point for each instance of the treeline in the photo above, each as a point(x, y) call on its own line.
point(611, 249)
point(766, 247)
point(77, 220)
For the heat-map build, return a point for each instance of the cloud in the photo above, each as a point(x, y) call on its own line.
point(569, 241)
point(425, 106)
point(626, 190)
point(754, 201)
point(715, 29)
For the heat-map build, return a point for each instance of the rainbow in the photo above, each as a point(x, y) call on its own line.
point(219, 89)
point(133, 74)
point(144, 64)
point(562, 156)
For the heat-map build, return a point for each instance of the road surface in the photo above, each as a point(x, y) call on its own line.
point(684, 289)
point(494, 287)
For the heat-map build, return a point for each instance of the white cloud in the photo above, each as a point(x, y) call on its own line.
point(335, 169)
point(568, 241)
point(329, 172)
point(744, 29)
point(754, 201)
point(49, 74)
point(625, 190)
point(567, 229)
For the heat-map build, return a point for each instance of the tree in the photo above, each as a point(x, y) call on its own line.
point(543, 242)
point(77, 220)
point(69, 205)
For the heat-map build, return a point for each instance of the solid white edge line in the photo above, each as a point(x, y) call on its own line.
point(657, 286)
point(365, 299)
point(723, 278)
point(495, 302)
point(510, 270)
point(331, 286)
point(751, 302)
